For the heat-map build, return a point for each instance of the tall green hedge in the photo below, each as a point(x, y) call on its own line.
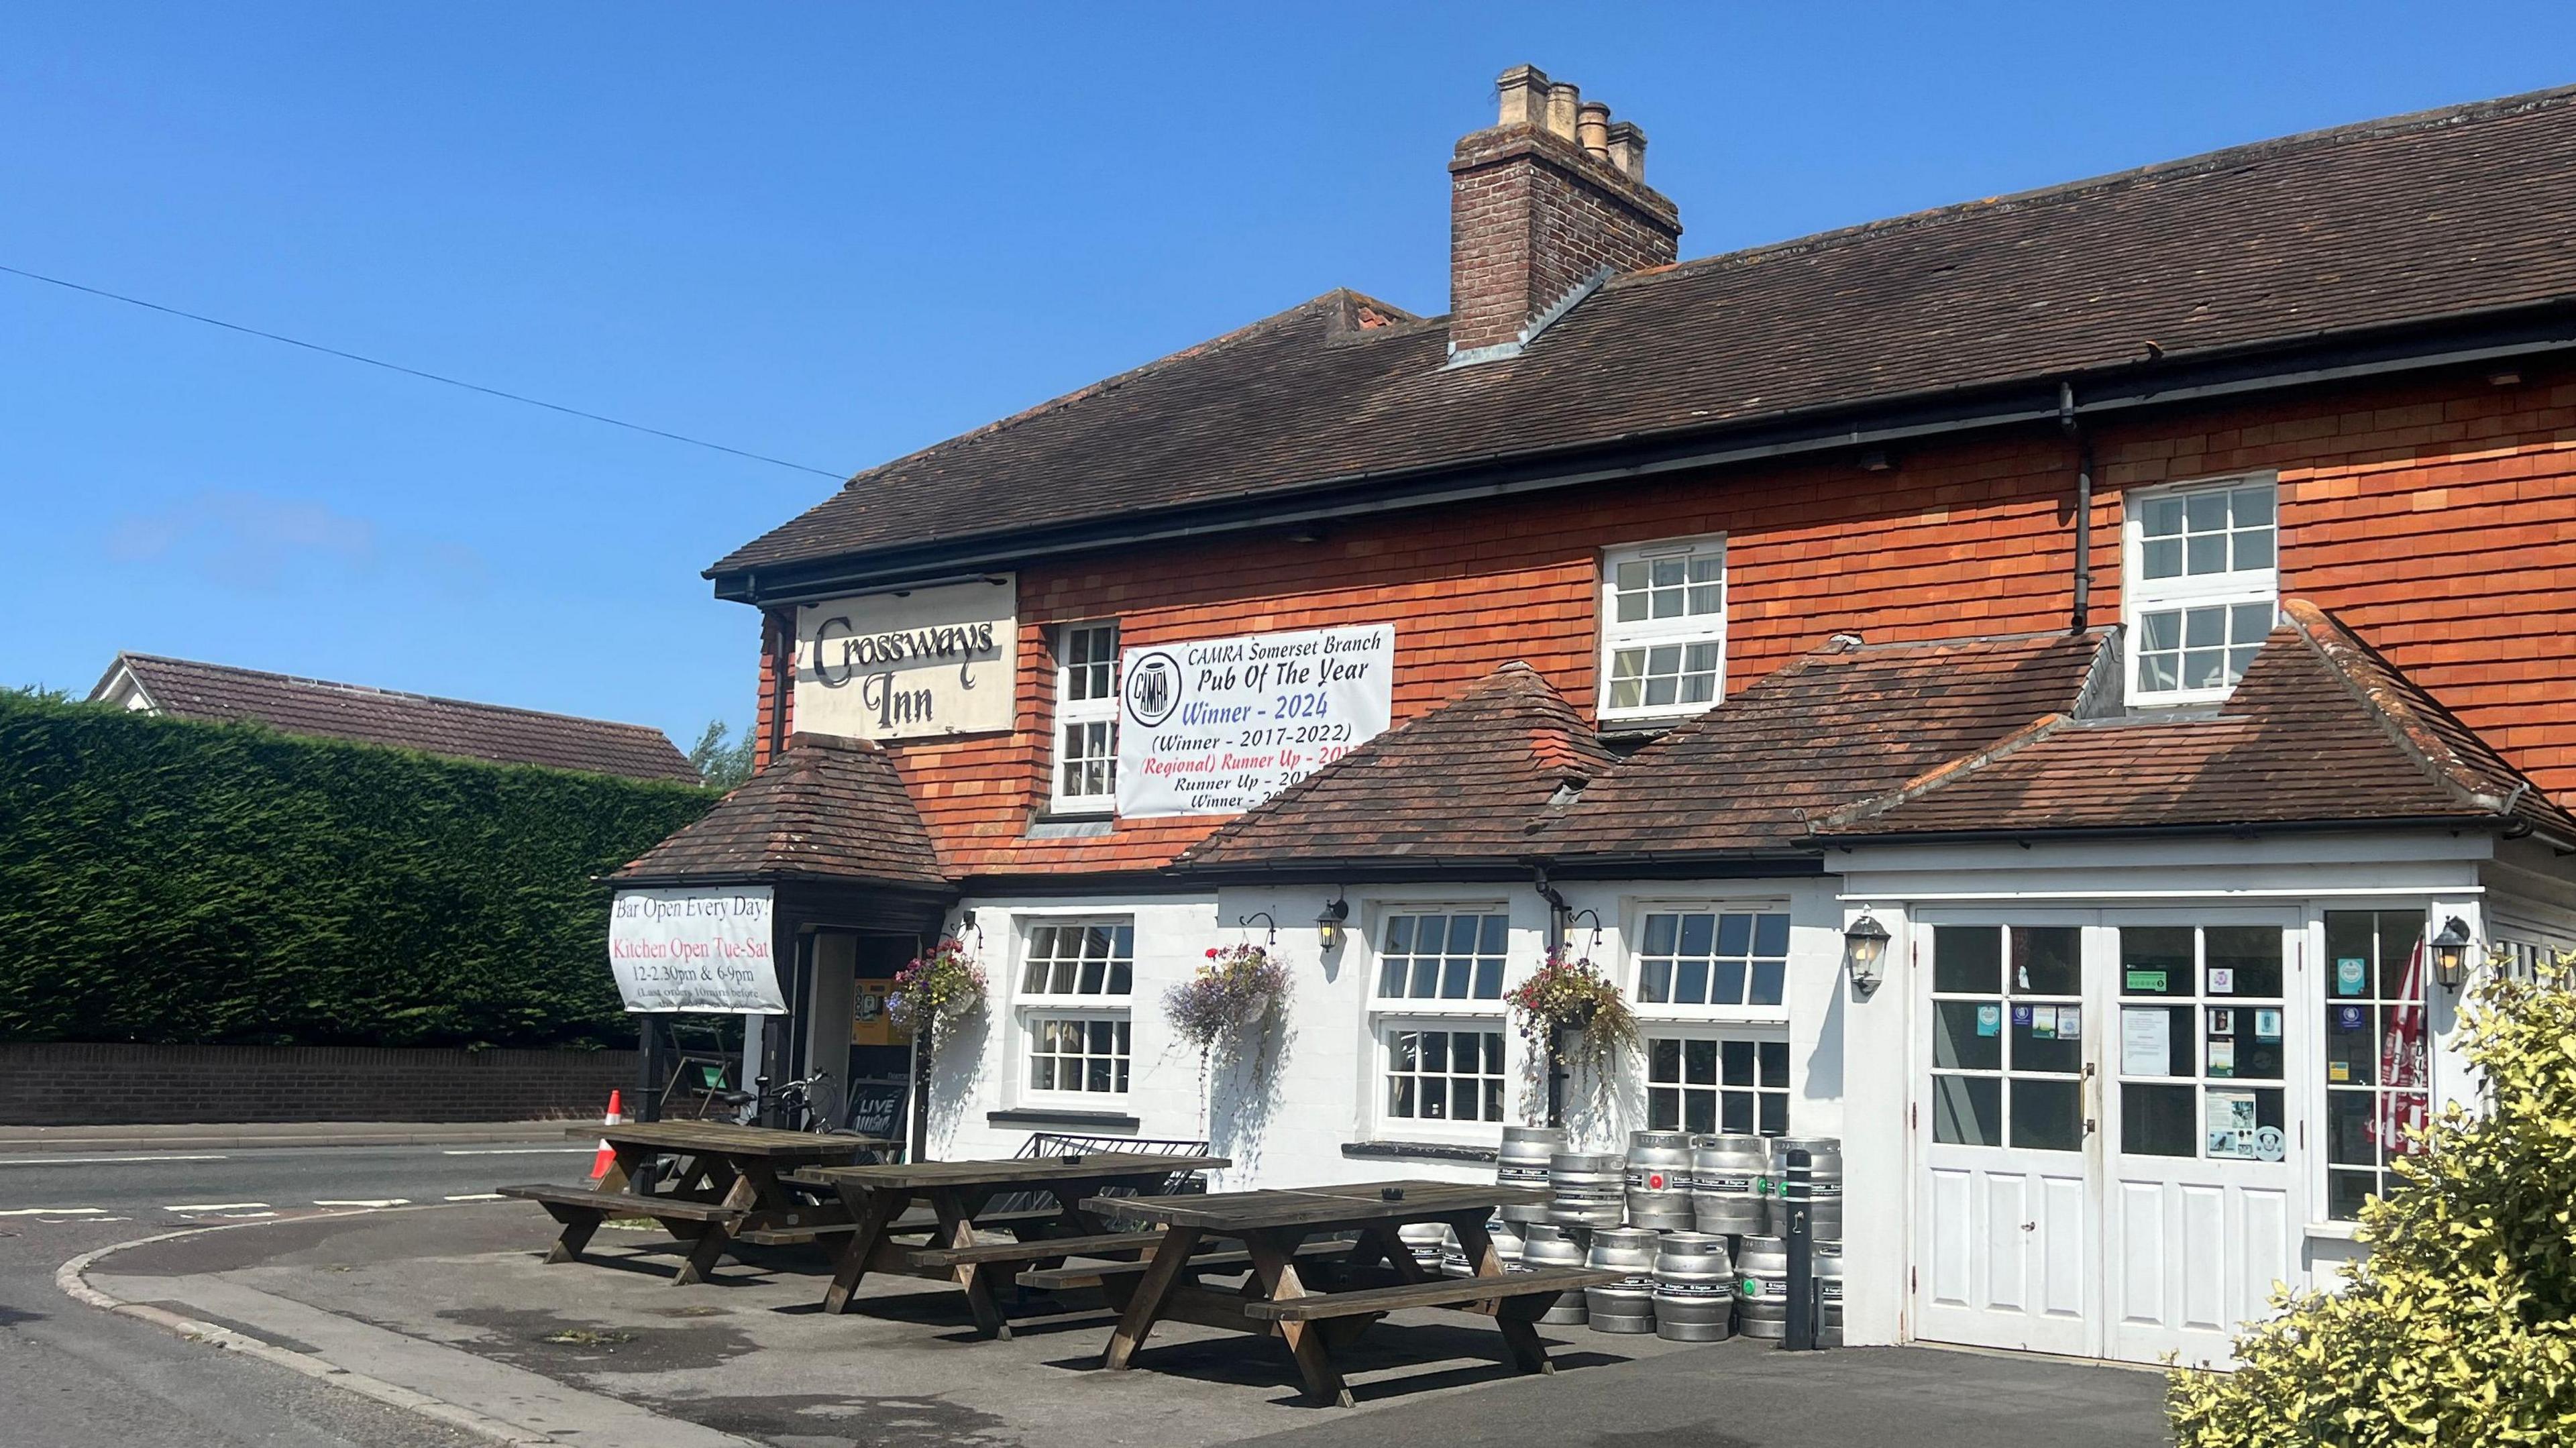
point(166, 880)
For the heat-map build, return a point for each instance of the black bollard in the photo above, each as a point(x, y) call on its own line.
point(1797, 1189)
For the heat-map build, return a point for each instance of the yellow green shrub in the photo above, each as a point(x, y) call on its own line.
point(2459, 1327)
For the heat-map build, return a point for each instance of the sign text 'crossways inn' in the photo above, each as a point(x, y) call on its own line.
point(909, 665)
point(1216, 726)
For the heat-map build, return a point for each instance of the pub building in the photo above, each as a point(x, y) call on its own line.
point(2063, 693)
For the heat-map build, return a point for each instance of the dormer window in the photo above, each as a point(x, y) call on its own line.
point(2203, 587)
point(1663, 628)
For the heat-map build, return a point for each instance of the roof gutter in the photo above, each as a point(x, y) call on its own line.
point(2249, 829)
point(2455, 340)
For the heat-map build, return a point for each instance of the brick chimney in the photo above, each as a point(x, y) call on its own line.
point(1544, 207)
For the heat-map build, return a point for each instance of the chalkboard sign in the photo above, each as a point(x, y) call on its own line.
point(878, 1105)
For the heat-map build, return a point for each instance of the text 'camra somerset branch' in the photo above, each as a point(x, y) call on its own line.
point(1216, 726)
point(916, 664)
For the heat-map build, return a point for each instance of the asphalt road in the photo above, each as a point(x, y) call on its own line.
point(75, 1377)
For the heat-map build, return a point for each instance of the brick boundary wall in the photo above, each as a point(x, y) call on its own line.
point(134, 1085)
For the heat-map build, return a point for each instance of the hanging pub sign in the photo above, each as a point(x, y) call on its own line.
point(1216, 726)
point(911, 665)
point(694, 949)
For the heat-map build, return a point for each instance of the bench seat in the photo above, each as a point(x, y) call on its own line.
point(1034, 1249)
point(1091, 1274)
point(1440, 1292)
point(916, 1219)
point(622, 1204)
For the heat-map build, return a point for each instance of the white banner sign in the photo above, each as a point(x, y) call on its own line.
point(910, 665)
point(694, 950)
point(1217, 726)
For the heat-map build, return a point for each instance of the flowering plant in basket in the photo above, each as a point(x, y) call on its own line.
point(931, 989)
point(1573, 995)
point(1233, 991)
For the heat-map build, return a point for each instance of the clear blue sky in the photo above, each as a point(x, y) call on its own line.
point(835, 234)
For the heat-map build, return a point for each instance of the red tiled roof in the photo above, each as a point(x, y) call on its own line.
point(1835, 726)
point(1463, 782)
point(2386, 224)
point(826, 809)
point(2320, 730)
point(455, 728)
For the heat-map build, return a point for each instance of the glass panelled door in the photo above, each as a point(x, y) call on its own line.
point(2205, 1202)
point(2008, 1220)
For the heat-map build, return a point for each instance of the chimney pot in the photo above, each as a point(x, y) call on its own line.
point(1524, 90)
point(1628, 150)
point(1563, 99)
point(1592, 128)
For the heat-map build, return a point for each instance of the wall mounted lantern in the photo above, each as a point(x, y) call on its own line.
point(2451, 953)
point(1328, 925)
point(1864, 946)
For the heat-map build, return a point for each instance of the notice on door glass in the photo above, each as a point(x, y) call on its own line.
point(1216, 726)
point(2146, 1042)
point(2231, 1125)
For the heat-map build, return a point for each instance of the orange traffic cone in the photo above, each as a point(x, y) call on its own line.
point(606, 1155)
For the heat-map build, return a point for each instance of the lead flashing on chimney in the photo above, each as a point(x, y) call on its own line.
point(1546, 318)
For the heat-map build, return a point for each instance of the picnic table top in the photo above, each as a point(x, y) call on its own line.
point(1008, 1171)
point(725, 1138)
point(1313, 1206)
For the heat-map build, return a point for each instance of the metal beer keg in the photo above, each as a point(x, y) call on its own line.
point(1545, 1244)
point(1825, 1177)
point(1627, 1305)
point(1829, 1294)
point(1762, 1288)
point(1522, 1162)
point(1659, 1180)
point(1591, 1190)
point(1694, 1288)
point(1506, 1237)
point(1724, 1171)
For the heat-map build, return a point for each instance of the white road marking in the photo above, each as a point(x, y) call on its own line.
point(213, 1206)
point(477, 1197)
point(377, 1202)
point(519, 1151)
point(51, 1211)
point(102, 1160)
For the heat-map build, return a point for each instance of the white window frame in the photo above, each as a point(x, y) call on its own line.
point(1386, 1026)
point(2140, 595)
point(1100, 710)
point(1684, 630)
point(1633, 977)
point(1389, 1015)
point(1030, 1007)
point(1760, 1034)
point(2319, 998)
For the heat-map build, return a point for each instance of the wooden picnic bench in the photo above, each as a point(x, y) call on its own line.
point(725, 1182)
point(1275, 1225)
point(877, 1198)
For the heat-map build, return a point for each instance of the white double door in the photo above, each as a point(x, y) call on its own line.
point(2108, 1164)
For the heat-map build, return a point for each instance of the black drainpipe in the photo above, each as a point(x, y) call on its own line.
point(2082, 616)
point(1554, 1045)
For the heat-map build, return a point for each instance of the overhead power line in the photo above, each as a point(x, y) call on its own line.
point(415, 372)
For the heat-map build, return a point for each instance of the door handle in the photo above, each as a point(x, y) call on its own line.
point(2092, 1089)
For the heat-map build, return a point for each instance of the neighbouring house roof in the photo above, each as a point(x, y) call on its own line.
point(1836, 725)
point(2320, 730)
point(493, 733)
point(2433, 217)
point(826, 808)
point(1466, 781)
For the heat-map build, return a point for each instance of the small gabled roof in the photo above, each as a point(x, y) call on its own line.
point(1837, 725)
point(2321, 730)
point(1464, 782)
point(456, 728)
point(827, 809)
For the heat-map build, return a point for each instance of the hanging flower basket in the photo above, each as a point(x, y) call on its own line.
point(1565, 995)
point(936, 989)
point(1231, 993)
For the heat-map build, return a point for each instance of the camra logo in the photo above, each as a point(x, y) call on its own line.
point(1153, 688)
